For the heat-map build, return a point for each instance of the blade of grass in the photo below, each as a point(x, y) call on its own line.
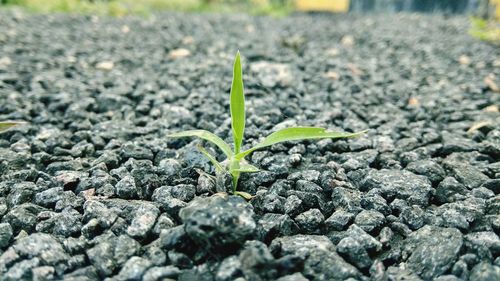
point(297, 133)
point(247, 168)
point(4, 126)
point(237, 105)
point(212, 159)
point(206, 135)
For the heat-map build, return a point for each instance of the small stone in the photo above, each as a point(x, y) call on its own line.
point(432, 250)
point(6, 234)
point(339, 220)
point(485, 272)
point(354, 252)
point(133, 269)
point(143, 221)
point(272, 225)
point(310, 221)
point(433, 171)
point(126, 188)
point(43, 273)
point(105, 65)
point(450, 190)
point(370, 220)
point(219, 223)
point(404, 185)
point(413, 217)
point(161, 273)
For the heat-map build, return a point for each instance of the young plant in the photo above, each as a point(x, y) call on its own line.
point(4, 126)
point(235, 164)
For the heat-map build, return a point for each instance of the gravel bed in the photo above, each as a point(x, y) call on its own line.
point(92, 189)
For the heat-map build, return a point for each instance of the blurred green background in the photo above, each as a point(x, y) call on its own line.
point(146, 7)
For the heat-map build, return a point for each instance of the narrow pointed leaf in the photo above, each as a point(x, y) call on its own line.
point(237, 105)
point(247, 168)
point(297, 133)
point(243, 194)
point(206, 135)
point(8, 124)
point(212, 159)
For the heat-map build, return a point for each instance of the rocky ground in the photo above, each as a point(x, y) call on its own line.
point(92, 189)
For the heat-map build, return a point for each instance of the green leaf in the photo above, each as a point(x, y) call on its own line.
point(206, 135)
point(212, 159)
point(237, 105)
point(247, 168)
point(4, 126)
point(297, 133)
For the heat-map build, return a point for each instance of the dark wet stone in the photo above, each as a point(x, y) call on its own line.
point(221, 223)
point(97, 217)
point(308, 175)
point(6, 234)
point(271, 226)
point(493, 185)
point(23, 217)
point(21, 193)
point(370, 221)
point(257, 261)
point(485, 272)
point(347, 199)
point(133, 269)
point(450, 190)
point(229, 269)
point(339, 220)
point(301, 245)
point(375, 202)
point(180, 260)
point(431, 250)
point(126, 188)
point(293, 277)
point(206, 184)
point(293, 205)
point(354, 253)
point(414, 217)
point(310, 221)
point(269, 203)
point(110, 252)
point(144, 219)
point(44, 248)
point(164, 221)
point(325, 265)
point(48, 198)
point(399, 184)
point(485, 239)
point(21, 270)
point(66, 223)
point(460, 214)
point(43, 273)
point(399, 273)
point(158, 273)
point(136, 152)
point(433, 171)
point(169, 167)
point(366, 240)
point(468, 175)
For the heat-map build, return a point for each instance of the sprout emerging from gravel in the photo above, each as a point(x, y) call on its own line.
point(235, 164)
point(4, 126)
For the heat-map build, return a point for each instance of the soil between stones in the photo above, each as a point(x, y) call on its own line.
point(92, 189)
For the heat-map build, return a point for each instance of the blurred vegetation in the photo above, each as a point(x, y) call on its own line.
point(146, 7)
point(485, 30)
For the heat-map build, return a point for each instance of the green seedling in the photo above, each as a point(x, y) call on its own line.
point(235, 164)
point(4, 126)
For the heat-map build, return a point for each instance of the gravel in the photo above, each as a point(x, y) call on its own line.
point(91, 188)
